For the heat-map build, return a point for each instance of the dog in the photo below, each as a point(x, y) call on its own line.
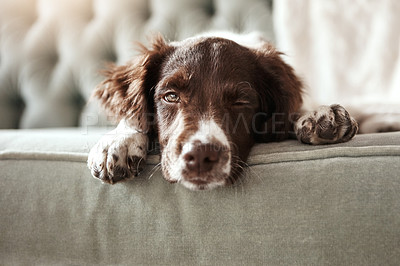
point(207, 99)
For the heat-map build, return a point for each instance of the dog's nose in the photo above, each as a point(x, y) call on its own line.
point(201, 158)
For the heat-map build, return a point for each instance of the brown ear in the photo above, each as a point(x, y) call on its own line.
point(127, 90)
point(280, 95)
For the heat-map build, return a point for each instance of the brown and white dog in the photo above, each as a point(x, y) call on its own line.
point(208, 100)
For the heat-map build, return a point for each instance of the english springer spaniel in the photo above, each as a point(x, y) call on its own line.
point(207, 100)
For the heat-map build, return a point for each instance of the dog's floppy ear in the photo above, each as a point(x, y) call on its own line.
point(127, 92)
point(280, 94)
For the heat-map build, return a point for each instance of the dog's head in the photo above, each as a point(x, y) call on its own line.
point(209, 99)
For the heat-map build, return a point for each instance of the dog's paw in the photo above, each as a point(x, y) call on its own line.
point(118, 157)
point(329, 124)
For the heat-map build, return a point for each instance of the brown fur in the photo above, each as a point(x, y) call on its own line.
point(250, 93)
point(125, 92)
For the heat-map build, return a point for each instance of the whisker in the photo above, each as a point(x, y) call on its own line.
point(156, 168)
point(138, 164)
point(239, 182)
point(247, 169)
point(237, 173)
point(252, 172)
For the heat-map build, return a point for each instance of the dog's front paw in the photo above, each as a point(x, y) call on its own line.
point(118, 157)
point(329, 124)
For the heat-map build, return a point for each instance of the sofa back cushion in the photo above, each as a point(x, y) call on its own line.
point(52, 51)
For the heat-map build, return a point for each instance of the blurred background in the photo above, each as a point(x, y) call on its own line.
point(51, 51)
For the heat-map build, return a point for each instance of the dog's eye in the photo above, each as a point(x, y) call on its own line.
point(172, 98)
point(241, 103)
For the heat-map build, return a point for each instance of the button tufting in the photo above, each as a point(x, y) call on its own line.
point(111, 56)
point(19, 103)
point(78, 100)
point(18, 108)
point(14, 97)
point(210, 8)
point(50, 45)
point(147, 11)
point(53, 59)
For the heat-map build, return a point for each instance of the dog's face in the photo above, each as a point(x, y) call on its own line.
point(205, 103)
point(209, 100)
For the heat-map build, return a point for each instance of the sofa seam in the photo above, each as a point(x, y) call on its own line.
point(259, 159)
point(324, 158)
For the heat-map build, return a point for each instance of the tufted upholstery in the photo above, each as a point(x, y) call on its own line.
point(51, 51)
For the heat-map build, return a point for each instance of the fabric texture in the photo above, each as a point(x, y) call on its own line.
point(297, 204)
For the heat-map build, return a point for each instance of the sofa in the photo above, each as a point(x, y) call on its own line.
point(296, 204)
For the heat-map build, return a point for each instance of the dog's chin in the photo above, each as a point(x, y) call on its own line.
point(198, 184)
point(177, 173)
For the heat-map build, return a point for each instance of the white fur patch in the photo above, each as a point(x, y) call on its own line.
point(209, 186)
point(208, 133)
point(122, 142)
point(175, 166)
point(209, 130)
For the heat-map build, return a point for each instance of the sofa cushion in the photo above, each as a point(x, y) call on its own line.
point(297, 204)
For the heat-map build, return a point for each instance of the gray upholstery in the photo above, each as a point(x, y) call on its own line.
point(296, 204)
